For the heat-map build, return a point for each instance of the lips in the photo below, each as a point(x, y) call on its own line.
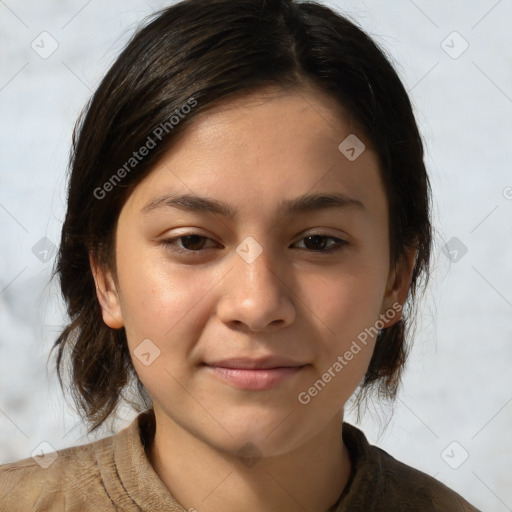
point(254, 374)
point(256, 364)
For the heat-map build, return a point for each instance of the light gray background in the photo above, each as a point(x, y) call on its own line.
point(458, 385)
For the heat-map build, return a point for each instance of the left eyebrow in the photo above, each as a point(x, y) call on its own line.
point(302, 204)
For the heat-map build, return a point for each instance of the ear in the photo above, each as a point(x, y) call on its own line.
point(108, 296)
point(397, 287)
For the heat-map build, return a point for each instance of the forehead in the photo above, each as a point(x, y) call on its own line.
point(261, 148)
point(303, 118)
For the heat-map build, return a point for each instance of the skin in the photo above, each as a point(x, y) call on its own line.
point(292, 301)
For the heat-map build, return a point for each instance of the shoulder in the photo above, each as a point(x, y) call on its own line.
point(393, 484)
point(50, 481)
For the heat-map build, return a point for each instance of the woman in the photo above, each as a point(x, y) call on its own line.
point(247, 226)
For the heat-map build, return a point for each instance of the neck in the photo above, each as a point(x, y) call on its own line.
point(202, 478)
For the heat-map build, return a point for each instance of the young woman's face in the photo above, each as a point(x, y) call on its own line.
point(242, 301)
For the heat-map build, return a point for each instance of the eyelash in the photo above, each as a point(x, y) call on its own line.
point(170, 244)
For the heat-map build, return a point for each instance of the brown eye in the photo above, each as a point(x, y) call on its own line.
point(192, 242)
point(319, 243)
point(186, 243)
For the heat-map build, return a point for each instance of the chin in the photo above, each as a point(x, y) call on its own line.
point(266, 432)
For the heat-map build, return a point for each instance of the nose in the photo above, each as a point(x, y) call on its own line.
point(256, 294)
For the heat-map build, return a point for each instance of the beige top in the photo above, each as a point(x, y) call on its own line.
point(114, 474)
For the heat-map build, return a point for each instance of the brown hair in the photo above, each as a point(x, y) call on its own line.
point(205, 52)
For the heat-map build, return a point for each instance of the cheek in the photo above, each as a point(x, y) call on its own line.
point(348, 307)
point(164, 304)
point(347, 304)
point(163, 315)
point(154, 294)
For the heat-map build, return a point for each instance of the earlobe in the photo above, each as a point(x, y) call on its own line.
point(107, 294)
point(398, 287)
